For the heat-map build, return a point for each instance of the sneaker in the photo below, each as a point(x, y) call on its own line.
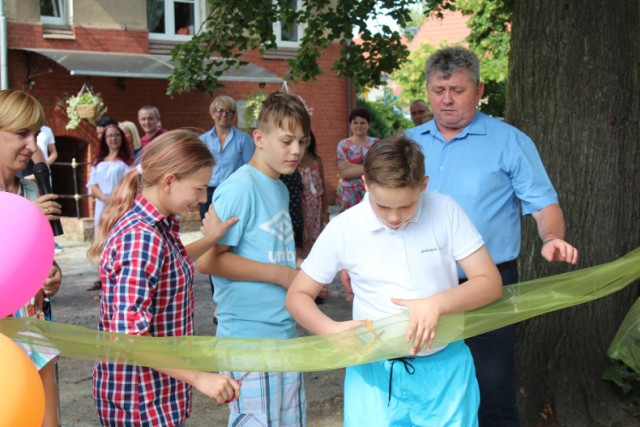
point(58, 248)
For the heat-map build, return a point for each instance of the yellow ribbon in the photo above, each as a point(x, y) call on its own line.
point(383, 339)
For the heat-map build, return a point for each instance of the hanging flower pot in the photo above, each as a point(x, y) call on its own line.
point(85, 105)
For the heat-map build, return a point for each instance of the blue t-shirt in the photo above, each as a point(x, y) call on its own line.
point(237, 151)
point(488, 168)
point(263, 233)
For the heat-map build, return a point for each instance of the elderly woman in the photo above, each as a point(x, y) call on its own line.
point(20, 119)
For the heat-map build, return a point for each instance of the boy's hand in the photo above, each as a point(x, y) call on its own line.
point(218, 387)
point(424, 321)
point(213, 228)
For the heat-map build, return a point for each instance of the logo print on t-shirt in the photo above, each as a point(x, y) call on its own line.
point(279, 226)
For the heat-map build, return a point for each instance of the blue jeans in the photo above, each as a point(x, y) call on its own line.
point(495, 359)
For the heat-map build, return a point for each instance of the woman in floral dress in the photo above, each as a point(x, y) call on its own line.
point(350, 158)
point(315, 208)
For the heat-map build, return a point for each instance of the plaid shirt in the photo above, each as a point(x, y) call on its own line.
point(147, 290)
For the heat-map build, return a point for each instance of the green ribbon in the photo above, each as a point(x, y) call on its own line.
point(383, 339)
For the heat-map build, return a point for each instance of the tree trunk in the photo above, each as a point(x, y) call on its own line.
point(573, 87)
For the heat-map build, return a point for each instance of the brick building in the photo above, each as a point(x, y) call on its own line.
point(121, 48)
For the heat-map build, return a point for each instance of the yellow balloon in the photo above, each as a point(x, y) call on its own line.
point(21, 390)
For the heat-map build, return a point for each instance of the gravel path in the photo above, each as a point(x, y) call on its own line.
point(73, 305)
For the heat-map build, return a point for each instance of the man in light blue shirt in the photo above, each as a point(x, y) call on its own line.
point(231, 147)
point(492, 170)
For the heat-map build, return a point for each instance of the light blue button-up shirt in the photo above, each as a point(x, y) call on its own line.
point(238, 150)
point(488, 168)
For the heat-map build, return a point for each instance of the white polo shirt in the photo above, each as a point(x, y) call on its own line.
point(415, 261)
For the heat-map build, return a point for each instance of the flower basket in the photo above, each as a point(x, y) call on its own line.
point(85, 105)
point(86, 111)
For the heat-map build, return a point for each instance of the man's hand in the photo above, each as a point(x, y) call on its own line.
point(559, 250)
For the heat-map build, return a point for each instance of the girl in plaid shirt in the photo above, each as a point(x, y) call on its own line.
point(148, 275)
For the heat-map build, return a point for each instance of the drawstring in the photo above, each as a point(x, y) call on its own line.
point(407, 367)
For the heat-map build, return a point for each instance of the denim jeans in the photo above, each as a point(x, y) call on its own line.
point(494, 357)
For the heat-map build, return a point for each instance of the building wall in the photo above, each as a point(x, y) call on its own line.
point(329, 95)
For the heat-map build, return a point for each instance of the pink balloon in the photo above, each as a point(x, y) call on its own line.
point(26, 251)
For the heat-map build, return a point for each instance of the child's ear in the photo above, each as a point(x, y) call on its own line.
point(424, 184)
point(166, 182)
point(364, 180)
point(257, 138)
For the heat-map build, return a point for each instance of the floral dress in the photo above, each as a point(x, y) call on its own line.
point(351, 191)
point(312, 191)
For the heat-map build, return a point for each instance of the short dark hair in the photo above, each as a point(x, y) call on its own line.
point(106, 121)
point(395, 162)
point(360, 112)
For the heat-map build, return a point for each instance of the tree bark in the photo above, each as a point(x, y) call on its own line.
point(573, 87)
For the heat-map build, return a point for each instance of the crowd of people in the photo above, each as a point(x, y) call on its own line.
point(423, 227)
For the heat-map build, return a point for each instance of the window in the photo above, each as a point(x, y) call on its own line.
point(172, 19)
point(53, 12)
point(289, 36)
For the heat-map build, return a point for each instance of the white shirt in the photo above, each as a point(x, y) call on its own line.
point(415, 261)
point(45, 139)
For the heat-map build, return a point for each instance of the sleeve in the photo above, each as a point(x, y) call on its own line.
point(247, 148)
point(342, 152)
point(325, 259)
point(529, 178)
point(228, 201)
point(137, 270)
point(465, 238)
point(93, 177)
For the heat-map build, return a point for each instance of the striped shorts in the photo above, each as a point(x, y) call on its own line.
point(269, 399)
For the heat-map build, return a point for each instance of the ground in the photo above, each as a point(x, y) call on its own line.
point(73, 305)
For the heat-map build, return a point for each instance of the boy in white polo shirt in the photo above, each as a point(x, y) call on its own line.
point(401, 247)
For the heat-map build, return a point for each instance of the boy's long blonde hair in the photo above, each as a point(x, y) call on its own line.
point(177, 152)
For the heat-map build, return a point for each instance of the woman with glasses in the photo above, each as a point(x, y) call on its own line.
point(230, 147)
point(110, 164)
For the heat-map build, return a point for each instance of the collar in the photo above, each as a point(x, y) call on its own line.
point(476, 127)
point(373, 222)
point(152, 216)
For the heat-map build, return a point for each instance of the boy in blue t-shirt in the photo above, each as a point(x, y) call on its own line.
point(255, 262)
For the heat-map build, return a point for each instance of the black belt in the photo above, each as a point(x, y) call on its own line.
point(507, 265)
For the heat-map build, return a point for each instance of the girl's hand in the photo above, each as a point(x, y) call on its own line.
point(52, 284)
point(48, 206)
point(423, 324)
point(218, 387)
point(213, 228)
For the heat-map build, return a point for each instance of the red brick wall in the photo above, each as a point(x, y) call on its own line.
point(329, 95)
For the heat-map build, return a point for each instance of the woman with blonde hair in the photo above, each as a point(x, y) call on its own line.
point(132, 136)
point(148, 278)
point(21, 117)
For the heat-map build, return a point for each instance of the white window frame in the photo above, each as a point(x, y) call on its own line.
point(277, 31)
point(169, 21)
point(57, 20)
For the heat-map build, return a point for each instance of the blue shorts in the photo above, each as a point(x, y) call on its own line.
point(269, 399)
point(436, 390)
